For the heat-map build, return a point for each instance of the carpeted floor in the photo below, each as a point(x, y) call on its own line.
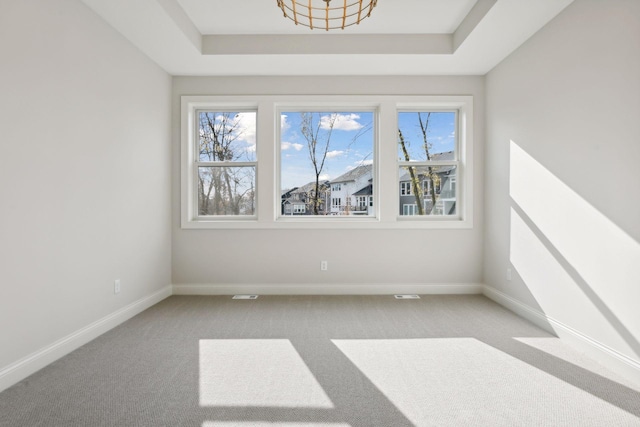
point(323, 361)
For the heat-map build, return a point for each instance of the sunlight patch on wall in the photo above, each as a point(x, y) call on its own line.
point(605, 257)
point(463, 381)
point(553, 288)
point(257, 373)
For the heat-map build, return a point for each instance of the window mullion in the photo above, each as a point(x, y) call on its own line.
point(225, 164)
point(388, 192)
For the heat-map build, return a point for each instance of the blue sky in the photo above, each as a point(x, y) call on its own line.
point(347, 151)
point(351, 144)
point(440, 133)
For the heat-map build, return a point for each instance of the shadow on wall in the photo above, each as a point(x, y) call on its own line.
point(582, 269)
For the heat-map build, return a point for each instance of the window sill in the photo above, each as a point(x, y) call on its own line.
point(331, 224)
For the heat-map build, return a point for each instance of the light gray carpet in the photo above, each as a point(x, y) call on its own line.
point(323, 361)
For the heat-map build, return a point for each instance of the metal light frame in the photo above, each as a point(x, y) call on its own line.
point(320, 14)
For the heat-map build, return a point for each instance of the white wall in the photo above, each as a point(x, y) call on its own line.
point(563, 178)
point(84, 173)
point(356, 257)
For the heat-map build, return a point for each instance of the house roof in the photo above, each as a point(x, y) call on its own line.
point(366, 191)
point(308, 187)
point(293, 201)
point(437, 157)
point(287, 191)
point(353, 174)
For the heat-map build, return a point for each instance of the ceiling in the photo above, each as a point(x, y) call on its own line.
point(401, 37)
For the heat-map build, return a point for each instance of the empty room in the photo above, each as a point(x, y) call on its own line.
point(336, 213)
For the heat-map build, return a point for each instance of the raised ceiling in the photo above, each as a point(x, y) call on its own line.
point(402, 37)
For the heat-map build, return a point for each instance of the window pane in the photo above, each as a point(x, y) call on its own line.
point(227, 136)
point(326, 160)
point(424, 136)
point(433, 190)
point(226, 190)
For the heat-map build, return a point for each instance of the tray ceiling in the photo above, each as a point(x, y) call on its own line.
point(402, 37)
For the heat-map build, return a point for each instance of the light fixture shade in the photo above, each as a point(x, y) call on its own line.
point(323, 14)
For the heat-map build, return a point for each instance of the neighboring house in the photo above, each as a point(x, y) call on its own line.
point(299, 200)
point(352, 192)
point(444, 188)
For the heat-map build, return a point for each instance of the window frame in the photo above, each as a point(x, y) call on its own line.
point(326, 106)
point(460, 144)
point(386, 169)
point(190, 162)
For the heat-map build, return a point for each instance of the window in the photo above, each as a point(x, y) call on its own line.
point(362, 202)
point(428, 155)
point(405, 188)
point(225, 160)
point(324, 147)
point(426, 186)
point(342, 162)
point(409, 210)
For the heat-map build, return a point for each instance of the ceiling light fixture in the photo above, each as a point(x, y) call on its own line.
point(320, 14)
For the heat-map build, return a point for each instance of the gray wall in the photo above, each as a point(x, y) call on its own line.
point(239, 257)
point(562, 173)
point(84, 173)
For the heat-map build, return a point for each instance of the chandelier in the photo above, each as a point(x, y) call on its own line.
point(321, 14)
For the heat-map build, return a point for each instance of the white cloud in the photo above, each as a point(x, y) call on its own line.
point(324, 177)
point(242, 125)
point(290, 145)
point(284, 124)
point(335, 153)
point(246, 126)
point(348, 122)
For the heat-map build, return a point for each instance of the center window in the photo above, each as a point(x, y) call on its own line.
point(326, 159)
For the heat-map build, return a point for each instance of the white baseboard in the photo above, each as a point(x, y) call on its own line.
point(613, 359)
point(328, 289)
point(26, 366)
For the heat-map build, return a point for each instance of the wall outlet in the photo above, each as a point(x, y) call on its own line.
point(324, 266)
point(116, 286)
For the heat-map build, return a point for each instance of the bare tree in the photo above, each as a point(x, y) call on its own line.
point(221, 189)
point(431, 174)
point(415, 179)
point(318, 139)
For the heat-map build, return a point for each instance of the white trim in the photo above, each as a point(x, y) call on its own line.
point(17, 371)
point(328, 289)
point(268, 214)
point(613, 359)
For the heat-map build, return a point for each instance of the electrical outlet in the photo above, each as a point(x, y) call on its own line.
point(116, 286)
point(324, 266)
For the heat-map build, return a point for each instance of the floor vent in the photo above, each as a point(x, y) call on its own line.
point(407, 296)
point(245, 297)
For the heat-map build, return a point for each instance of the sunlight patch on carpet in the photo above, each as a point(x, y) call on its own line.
point(268, 424)
point(257, 373)
point(463, 381)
